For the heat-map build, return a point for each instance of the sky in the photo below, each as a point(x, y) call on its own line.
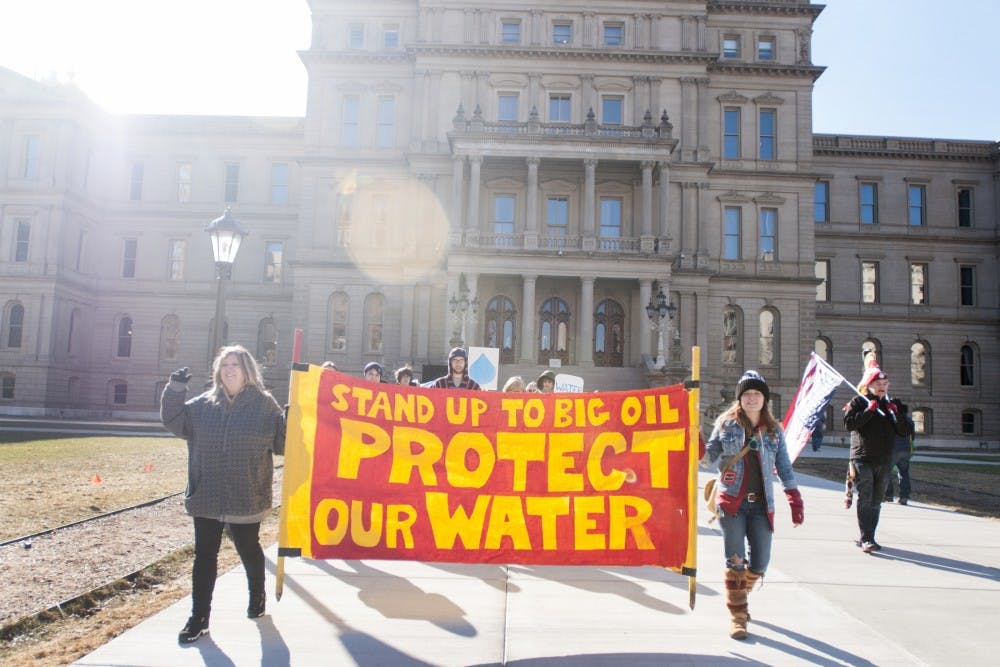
point(894, 67)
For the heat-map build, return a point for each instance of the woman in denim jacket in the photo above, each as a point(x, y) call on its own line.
point(743, 492)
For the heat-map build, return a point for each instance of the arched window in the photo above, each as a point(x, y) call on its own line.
point(337, 314)
point(267, 342)
point(609, 334)
point(15, 325)
point(117, 392)
point(824, 348)
point(373, 323)
point(74, 325)
point(868, 348)
point(7, 386)
point(919, 362)
point(500, 325)
point(971, 419)
point(732, 336)
point(170, 337)
point(921, 421)
point(553, 341)
point(967, 366)
point(123, 347)
point(768, 350)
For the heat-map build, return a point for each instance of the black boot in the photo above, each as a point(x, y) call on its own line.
point(256, 607)
point(196, 627)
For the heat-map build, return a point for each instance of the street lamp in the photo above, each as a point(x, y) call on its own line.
point(460, 306)
point(226, 234)
point(657, 311)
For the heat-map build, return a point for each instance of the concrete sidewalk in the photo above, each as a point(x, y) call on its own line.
point(931, 597)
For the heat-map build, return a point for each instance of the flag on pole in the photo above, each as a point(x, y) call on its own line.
point(819, 381)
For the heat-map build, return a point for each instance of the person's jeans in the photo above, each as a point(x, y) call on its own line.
point(207, 540)
point(870, 484)
point(901, 460)
point(749, 526)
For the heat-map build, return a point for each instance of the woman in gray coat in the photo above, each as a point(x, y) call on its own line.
point(232, 431)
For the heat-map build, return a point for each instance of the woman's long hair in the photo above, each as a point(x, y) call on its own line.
point(735, 412)
point(251, 370)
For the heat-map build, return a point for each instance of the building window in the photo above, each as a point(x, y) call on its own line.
point(15, 325)
point(921, 421)
point(135, 181)
point(967, 285)
point(869, 282)
point(74, 317)
point(614, 34)
point(731, 133)
point(123, 348)
point(768, 350)
point(967, 366)
point(821, 202)
point(559, 108)
point(170, 337)
point(355, 36)
point(184, 176)
point(130, 249)
point(501, 323)
point(823, 275)
point(510, 32)
point(273, 253)
point(350, 127)
point(80, 244)
point(768, 234)
point(339, 306)
point(554, 322)
point(562, 33)
point(279, 184)
point(232, 182)
point(765, 48)
point(267, 342)
point(609, 334)
point(732, 336)
point(390, 38)
point(386, 122)
point(970, 422)
point(611, 222)
point(869, 203)
point(731, 234)
point(768, 132)
point(119, 393)
point(731, 46)
point(175, 259)
point(7, 386)
point(823, 348)
point(373, 323)
point(917, 199)
point(32, 155)
point(557, 220)
point(918, 284)
point(503, 218)
point(507, 106)
point(22, 240)
point(612, 110)
point(965, 209)
point(919, 361)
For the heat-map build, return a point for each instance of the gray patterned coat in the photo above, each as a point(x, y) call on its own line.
point(230, 448)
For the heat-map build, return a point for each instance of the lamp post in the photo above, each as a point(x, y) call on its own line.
point(226, 234)
point(460, 306)
point(657, 311)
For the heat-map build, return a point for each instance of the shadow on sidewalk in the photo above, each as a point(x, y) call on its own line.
point(830, 654)
point(939, 563)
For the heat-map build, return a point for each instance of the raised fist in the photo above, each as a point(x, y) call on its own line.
point(181, 375)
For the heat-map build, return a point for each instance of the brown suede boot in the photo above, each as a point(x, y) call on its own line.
point(752, 579)
point(736, 601)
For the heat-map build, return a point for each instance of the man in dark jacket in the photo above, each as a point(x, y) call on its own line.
point(874, 421)
point(458, 372)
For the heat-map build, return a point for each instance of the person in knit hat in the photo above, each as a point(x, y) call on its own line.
point(458, 372)
point(373, 371)
point(747, 447)
point(874, 422)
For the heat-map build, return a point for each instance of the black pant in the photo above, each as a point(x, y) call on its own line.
point(870, 483)
point(207, 540)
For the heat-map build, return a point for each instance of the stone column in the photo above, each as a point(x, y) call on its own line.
point(664, 231)
point(531, 215)
point(528, 343)
point(585, 337)
point(457, 197)
point(472, 229)
point(406, 323)
point(641, 336)
point(646, 232)
point(701, 102)
point(472, 317)
point(689, 120)
point(689, 219)
point(589, 191)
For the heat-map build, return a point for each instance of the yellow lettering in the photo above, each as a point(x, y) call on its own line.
point(399, 520)
point(359, 440)
point(447, 526)
point(583, 525)
point(339, 392)
point(621, 521)
point(559, 463)
point(404, 459)
point(548, 510)
point(325, 534)
point(359, 535)
point(507, 520)
point(595, 470)
point(456, 460)
point(520, 448)
point(657, 445)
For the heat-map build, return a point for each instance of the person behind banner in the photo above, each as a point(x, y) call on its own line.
point(373, 371)
point(902, 450)
point(232, 432)
point(874, 422)
point(747, 446)
point(816, 439)
point(404, 376)
point(514, 383)
point(546, 382)
point(458, 373)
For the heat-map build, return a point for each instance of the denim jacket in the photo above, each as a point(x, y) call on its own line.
point(728, 439)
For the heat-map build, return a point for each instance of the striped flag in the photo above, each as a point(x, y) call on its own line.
point(819, 381)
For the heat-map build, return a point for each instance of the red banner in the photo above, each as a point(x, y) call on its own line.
point(394, 472)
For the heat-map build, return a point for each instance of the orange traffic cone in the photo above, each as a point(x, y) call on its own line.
point(96, 479)
point(148, 468)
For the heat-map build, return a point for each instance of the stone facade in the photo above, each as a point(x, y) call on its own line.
point(526, 176)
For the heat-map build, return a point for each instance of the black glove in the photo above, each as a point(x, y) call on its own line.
point(181, 375)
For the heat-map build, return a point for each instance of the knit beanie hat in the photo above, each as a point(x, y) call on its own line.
point(374, 365)
point(457, 352)
point(752, 380)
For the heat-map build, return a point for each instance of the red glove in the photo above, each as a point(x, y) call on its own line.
point(795, 502)
point(893, 408)
point(872, 406)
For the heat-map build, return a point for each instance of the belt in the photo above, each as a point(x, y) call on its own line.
point(753, 497)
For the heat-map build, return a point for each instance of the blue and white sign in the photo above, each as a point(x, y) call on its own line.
point(484, 366)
